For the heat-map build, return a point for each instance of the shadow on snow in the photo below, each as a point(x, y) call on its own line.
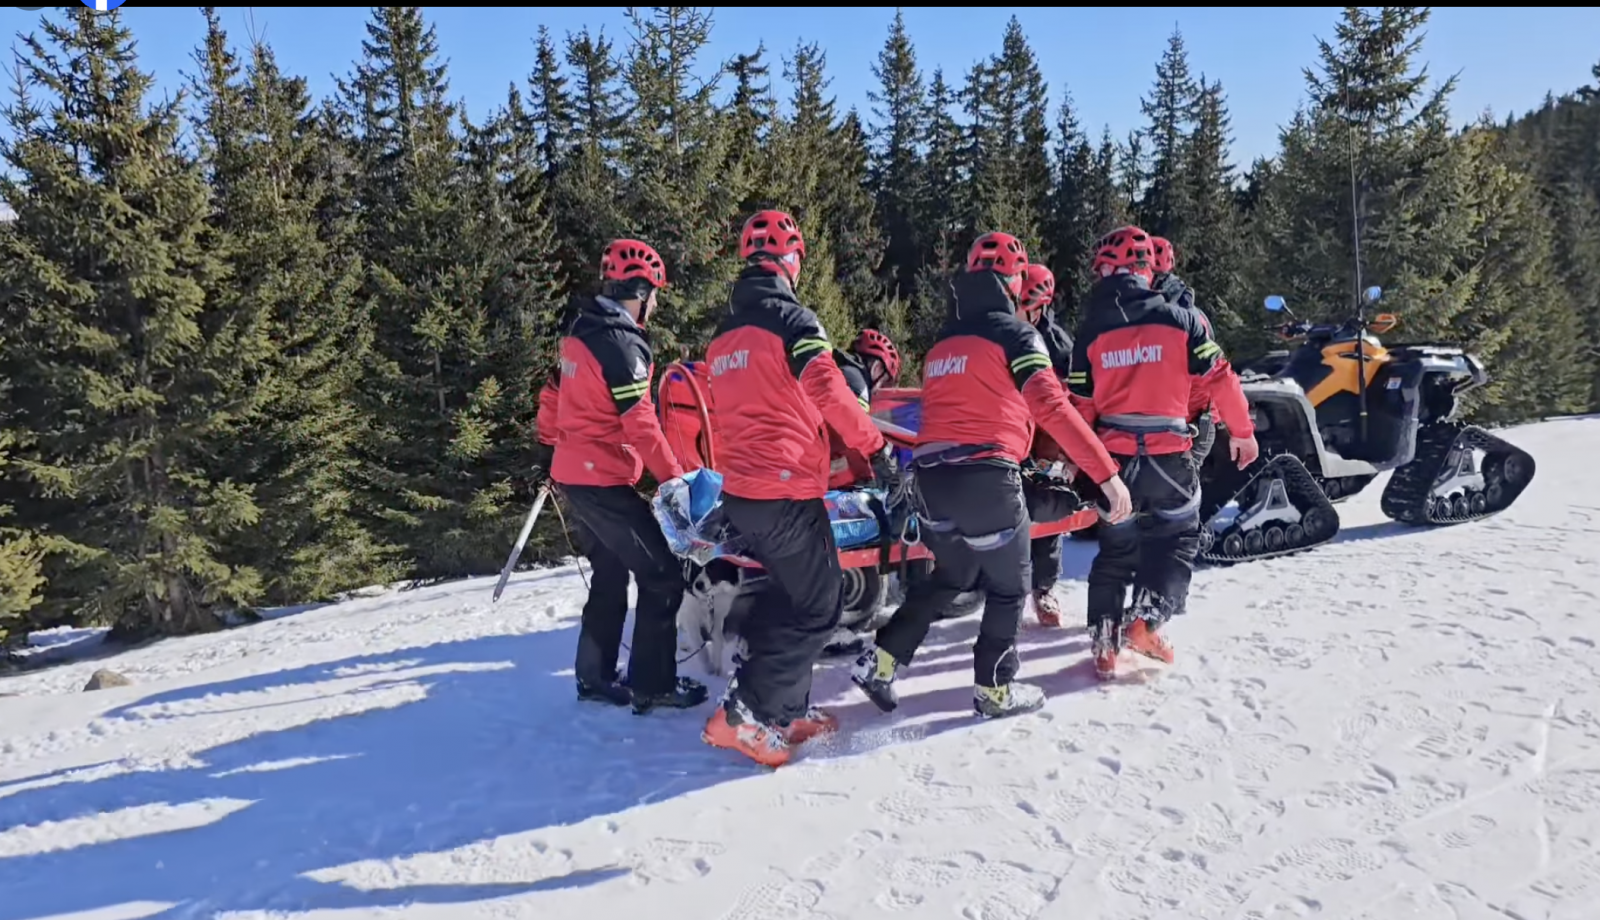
point(497, 746)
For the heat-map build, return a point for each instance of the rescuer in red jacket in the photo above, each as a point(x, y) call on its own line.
point(606, 433)
point(871, 362)
point(1048, 499)
point(985, 383)
point(778, 392)
point(1136, 360)
point(1173, 288)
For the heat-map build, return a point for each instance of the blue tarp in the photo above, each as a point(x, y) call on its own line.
point(690, 513)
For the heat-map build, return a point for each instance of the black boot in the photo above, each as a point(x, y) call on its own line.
point(685, 694)
point(614, 691)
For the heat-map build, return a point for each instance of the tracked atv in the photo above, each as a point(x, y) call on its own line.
point(1333, 413)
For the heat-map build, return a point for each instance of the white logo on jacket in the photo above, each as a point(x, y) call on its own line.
point(1128, 357)
point(732, 361)
point(943, 367)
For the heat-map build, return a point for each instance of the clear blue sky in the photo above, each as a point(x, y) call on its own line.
point(1507, 58)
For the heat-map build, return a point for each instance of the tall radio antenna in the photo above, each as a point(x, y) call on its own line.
point(1355, 199)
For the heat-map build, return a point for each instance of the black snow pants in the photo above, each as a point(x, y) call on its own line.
point(618, 535)
point(1047, 503)
point(975, 522)
point(784, 638)
point(1153, 551)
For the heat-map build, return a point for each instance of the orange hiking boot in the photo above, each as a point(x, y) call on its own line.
point(1046, 608)
point(1147, 641)
point(733, 727)
point(1106, 642)
point(814, 723)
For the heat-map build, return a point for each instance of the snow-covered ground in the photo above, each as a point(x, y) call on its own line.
point(1403, 724)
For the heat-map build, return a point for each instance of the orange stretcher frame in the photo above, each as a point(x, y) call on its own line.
point(690, 427)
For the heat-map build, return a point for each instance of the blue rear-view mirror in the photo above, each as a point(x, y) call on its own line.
point(1275, 304)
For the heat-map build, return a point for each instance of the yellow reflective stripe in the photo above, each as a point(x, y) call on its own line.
point(1207, 350)
point(631, 391)
point(1030, 360)
point(1078, 377)
point(806, 346)
point(865, 403)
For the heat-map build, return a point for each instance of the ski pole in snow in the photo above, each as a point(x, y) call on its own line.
point(522, 540)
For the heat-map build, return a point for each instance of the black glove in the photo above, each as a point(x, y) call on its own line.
point(884, 470)
point(542, 455)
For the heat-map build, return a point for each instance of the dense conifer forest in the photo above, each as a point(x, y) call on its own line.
point(258, 348)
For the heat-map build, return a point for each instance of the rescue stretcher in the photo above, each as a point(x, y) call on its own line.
point(877, 546)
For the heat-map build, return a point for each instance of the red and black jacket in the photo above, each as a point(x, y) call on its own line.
point(605, 426)
point(1181, 294)
point(1139, 362)
point(985, 382)
point(778, 393)
point(847, 467)
point(1058, 342)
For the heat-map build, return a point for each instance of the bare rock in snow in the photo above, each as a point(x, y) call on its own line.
point(103, 678)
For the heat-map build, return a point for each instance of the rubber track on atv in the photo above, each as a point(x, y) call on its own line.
point(1408, 496)
point(1303, 492)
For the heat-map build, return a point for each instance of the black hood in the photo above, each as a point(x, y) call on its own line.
point(1121, 291)
point(974, 294)
point(843, 356)
point(597, 314)
point(757, 285)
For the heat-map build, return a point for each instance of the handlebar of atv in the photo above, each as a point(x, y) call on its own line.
point(1302, 327)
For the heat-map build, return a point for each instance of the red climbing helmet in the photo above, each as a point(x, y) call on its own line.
point(1001, 253)
point(1164, 258)
point(774, 235)
point(1038, 289)
point(625, 260)
point(873, 344)
point(1123, 249)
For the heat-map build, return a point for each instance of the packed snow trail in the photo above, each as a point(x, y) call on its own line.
point(1405, 723)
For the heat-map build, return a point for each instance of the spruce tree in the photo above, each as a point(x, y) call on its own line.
point(751, 114)
point(1575, 211)
point(1560, 143)
point(1370, 119)
point(1072, 227)
point(801, 150)
point(513, 233)
point(1213, 261)
point(980, 201)
point(1106, 191)
point(299, 292)
point(1437, 214)
point(938, 217)
point(1522, 316)
point(1024, 99)
point(585, 200)
point(1172, 109)
point(435, 402)
point(674, 186)
point(859, 246)
point(897, 133)
point(126, 375)
point(550, 114)
point(21, 552)
point(1130, 175)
